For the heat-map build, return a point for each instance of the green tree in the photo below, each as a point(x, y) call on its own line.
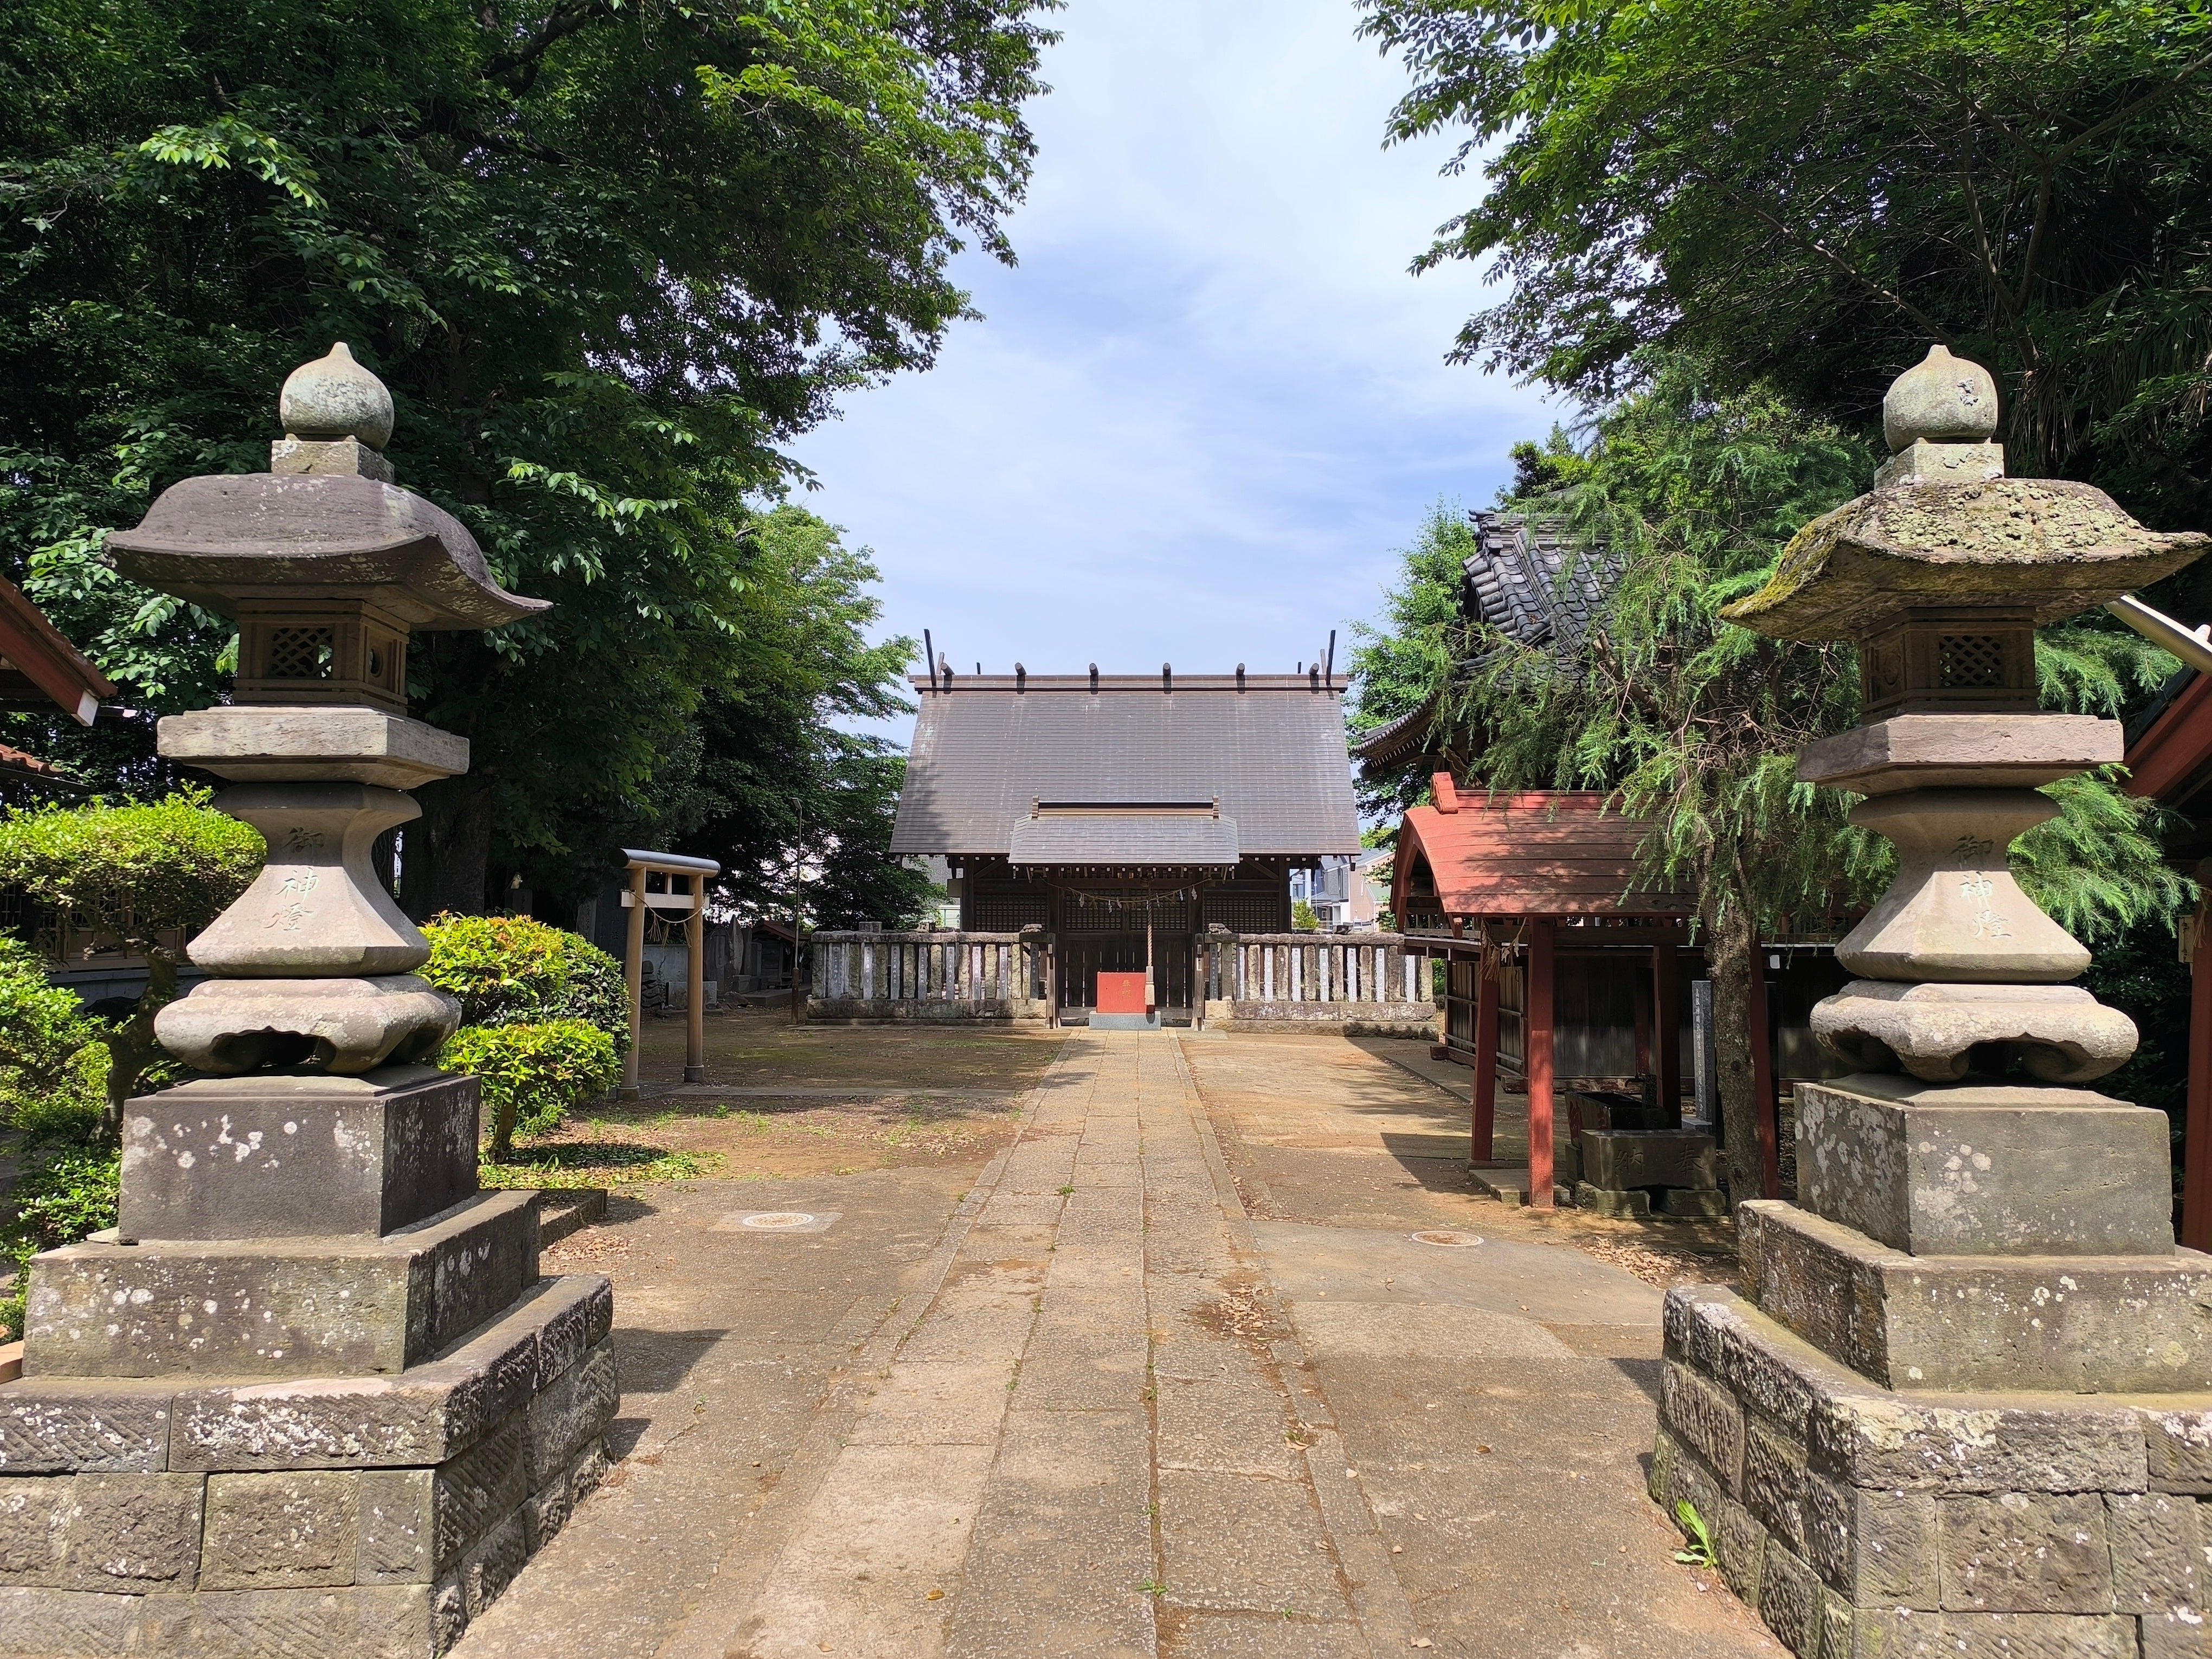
point(608, 257)
point(1397, 667)
point(772, 781)
point(1805, 193)
point(1695, 724)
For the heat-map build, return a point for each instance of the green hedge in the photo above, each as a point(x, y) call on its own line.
point(533, 1074)
point(511, 970)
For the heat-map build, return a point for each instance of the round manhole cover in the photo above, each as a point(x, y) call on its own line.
point(1446, 1239)
point(778, 1221)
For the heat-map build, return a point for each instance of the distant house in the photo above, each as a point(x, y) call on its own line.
point(1344, 892)
point(1528, 580)
point(1127, 813)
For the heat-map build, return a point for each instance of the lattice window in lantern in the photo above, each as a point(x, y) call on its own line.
point(299, 654)
point(1970, 662)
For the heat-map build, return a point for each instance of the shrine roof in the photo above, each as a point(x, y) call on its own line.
point(1536, 854)
point(1268, 751)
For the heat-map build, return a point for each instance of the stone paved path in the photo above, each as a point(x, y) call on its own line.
point(1092, 1428)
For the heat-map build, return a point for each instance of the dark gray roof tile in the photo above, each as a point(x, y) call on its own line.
point(1274, 755)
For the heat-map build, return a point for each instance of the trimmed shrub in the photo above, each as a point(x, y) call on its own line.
point(143, 876)
point(533, 1074)
point(51, 1054)
point(511, 970)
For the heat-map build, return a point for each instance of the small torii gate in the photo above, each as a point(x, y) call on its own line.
point(670, 867)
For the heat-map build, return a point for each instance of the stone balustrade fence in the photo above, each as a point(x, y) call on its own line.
point(939, 976)
point(1356, 982)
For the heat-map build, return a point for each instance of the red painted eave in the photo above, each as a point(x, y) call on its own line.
point(1540, 853)
point(35, 648)
point(2168, 757)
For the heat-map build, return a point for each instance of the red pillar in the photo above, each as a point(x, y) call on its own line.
point(1762, 1078)
point(1536, 1045)
point(2197, 1130)
point(1486, 1062)
point(1667, 1032)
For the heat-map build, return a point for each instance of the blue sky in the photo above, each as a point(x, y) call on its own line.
point(1196, 420)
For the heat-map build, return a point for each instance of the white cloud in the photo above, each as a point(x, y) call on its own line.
point(1198, 416)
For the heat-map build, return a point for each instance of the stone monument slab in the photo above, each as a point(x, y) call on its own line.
point(276, 1156)
point(1984, 1169)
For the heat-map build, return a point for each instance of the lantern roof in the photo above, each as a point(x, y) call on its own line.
point(222, 539)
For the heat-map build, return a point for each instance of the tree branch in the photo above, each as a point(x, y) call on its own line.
point(1812, 246)
point(517, 70)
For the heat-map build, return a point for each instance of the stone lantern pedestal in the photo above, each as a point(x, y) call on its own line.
point(312, 1394)
point(1963, 1405)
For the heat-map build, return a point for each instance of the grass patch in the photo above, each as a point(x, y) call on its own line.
point(596, 1164)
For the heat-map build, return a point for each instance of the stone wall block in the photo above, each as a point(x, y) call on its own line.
point(2158, 1556)
point(397, 1527)
point(1676, 1318)
point(2025, 1552)
point(2178, 1447)
point(67, 1425)
point(1707, 1418)
point(2185, 1634)
point(544, 1513)
point(366, 1622)
point(1660, 1481)
point(68, 1624)
point(589, 1469)
point(491, 1566)
point(1790, 1601)
point(295, 1530)
point(1763, 1381)
point(432, 1413)
point(1697, 1485)
point(2033, 1636)
point(479, 1489)
point(563, 1339)
point(449, 1613)
point(34, 1529)
point(1835, 1626)
point(600, 1317)
point(1742, 1544)
point(570, 1414)
point(1873, 1547)
point(1774, 1483)
point(129, 1533)
point(1880, 1441)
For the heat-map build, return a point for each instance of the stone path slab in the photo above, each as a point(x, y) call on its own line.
point(1106, 1414)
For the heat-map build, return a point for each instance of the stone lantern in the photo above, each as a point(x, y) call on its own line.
point(313, 1382)
point(1965, 1401)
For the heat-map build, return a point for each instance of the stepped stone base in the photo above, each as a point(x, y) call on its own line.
point(362, 1517)
point(279, 1307)
point(1864, 1523)
point(2080, 1323)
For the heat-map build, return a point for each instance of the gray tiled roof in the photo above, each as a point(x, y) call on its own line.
point(1135, 839)
point(1273, 754)
point(1529, 580)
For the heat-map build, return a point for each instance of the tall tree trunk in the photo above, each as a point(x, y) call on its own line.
point(449, 848)
point(1729, 962)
